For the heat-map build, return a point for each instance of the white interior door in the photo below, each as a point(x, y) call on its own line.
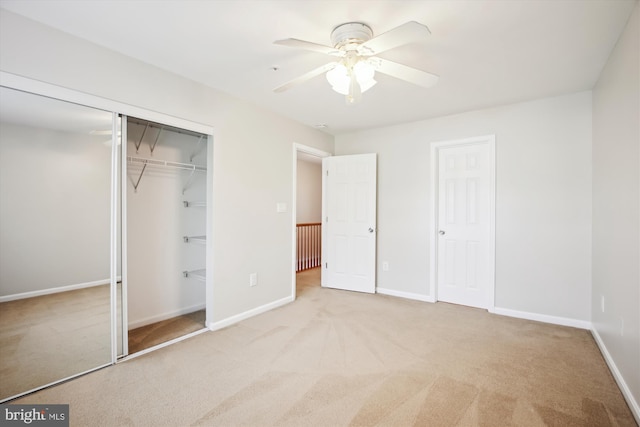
point(464, 270)
point(349, 222)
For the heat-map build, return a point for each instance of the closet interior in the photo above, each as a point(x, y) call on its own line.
point(166, 200)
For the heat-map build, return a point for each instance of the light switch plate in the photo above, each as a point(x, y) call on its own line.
point(281, 207)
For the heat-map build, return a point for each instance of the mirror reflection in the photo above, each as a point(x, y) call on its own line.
point(55, 205)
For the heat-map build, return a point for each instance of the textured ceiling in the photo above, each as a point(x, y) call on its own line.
point(486, 52)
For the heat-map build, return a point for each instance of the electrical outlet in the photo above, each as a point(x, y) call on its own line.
point(602, 303)
point(253, 279)
point(385, 266)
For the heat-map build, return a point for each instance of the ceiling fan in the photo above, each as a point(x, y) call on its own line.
point(353, 73)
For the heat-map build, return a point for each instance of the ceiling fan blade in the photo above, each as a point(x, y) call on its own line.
point(403, 72)
point(314, 47)
point(307, 76)
point(405, 33)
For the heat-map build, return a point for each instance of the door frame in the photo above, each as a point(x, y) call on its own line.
point(300, 148)
point(490, 141)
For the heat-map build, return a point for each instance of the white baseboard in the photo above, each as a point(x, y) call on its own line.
point(250, 313)
point(633, 404)
point(164, 316)
point(50, 291)
point(564, 321)
point(408, 295)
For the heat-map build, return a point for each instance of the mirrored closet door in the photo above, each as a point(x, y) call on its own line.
point(58, 264)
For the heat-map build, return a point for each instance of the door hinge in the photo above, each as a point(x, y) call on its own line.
point(327, 173)
point(326, 265)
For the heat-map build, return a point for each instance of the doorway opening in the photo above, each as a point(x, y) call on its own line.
point(165, 196)
point(307, 217)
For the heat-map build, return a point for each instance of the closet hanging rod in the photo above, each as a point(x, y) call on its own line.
point(165, 163)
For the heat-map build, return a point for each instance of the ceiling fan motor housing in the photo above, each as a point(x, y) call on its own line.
point(351, 33)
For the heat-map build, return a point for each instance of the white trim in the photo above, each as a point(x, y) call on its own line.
point(626, 392)
point(299, 148)
point(161, 345)
point(124, 233)
point(60, 381)
point(70, 95)
point(250, 313)
point(490, 140)
point(165, 316)
point(209, 263)
point(33, 294)
point(113, 238)
point(407, 295)
point(545, 318)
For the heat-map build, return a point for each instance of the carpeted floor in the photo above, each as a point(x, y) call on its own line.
point(51, 337)
point(335, 358)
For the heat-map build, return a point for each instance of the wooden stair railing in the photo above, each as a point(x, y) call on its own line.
point(309, 238)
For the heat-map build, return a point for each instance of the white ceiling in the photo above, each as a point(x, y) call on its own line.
point(486, 52)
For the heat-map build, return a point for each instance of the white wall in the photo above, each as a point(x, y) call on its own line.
point(253, 149)
point(54, 209)
point(543, 201)
point(616, 207)
point(157, 222)
point(309, 192)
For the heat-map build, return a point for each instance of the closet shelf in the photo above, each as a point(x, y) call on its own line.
point(164, 164)
point(196, 274)
point(194, 204)
point(195, 239)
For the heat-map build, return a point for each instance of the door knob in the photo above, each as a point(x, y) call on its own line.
point(370, 230)
point(441, 232)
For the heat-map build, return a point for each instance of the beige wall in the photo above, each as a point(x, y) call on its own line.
point(616, 207)
point(309, 192)
point(54, 221)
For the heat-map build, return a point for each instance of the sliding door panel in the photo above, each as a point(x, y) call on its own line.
point(55, 230)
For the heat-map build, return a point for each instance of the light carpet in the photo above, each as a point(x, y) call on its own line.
point(50, 337)
point(335, 358)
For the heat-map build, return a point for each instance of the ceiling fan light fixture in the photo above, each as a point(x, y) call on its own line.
point(340, 77)
point(364, 73)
